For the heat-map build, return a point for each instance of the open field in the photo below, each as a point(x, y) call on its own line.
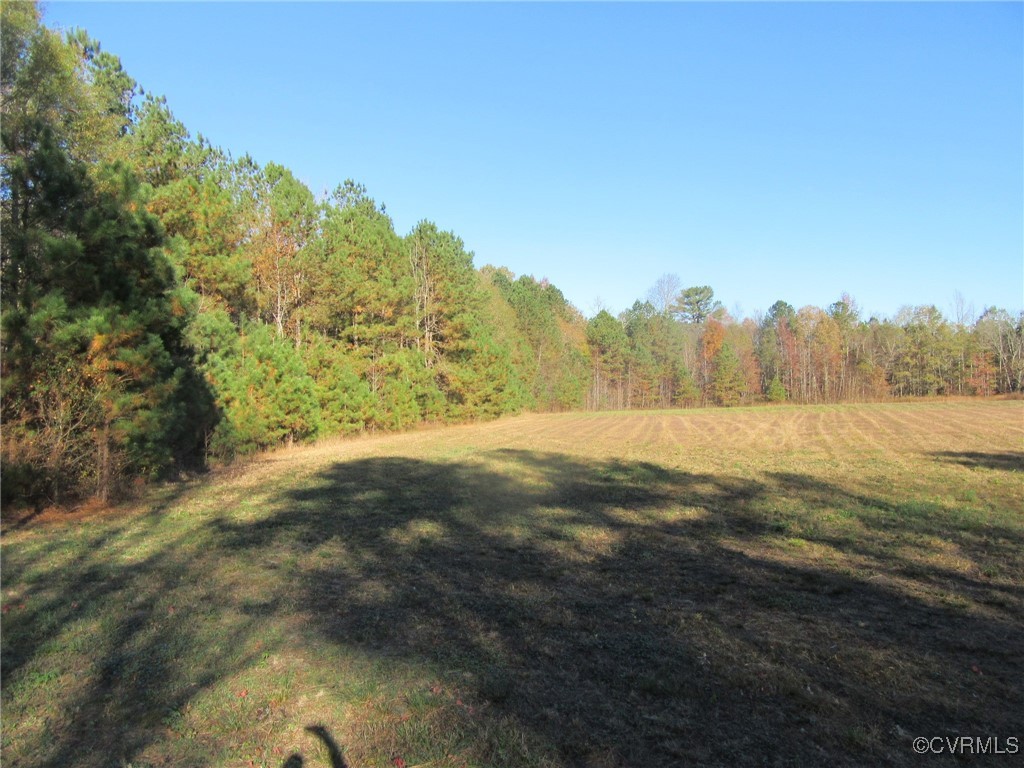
point(788, 586)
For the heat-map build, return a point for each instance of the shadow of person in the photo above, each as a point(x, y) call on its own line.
point(333, 751)
point(337, 761)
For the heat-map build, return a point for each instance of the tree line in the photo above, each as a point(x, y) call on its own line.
point(165, 303)
point(689, 351)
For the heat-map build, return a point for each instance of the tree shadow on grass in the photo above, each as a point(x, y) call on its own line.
point(623, 613)
point(886, 524)
point(1010, 461)
point(115, 611)
point(613, 612)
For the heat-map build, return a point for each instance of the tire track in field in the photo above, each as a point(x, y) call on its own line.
point(792, 429)
point(663, 438)
point(636, 431)
point(668, 434)
point(770, 432)
point(927, 426)
point(961, 420)
point(858, 440)
point(713, 430)
point(1002, 426)
point(598, 428)
point(576, 434)
point(680, 431)
point(695, 431)
point(652, 431)
point(748, 430)
point(621, 429)
point(597, 435)
point(828, 434)
point(938, 427)
point(538, 429)
point(749, 433)
point(700, 434)
point(887, 436)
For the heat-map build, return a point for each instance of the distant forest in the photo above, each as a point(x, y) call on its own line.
point(165, 303)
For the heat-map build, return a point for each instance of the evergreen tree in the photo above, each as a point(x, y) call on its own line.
point(776, 392)
point(727, 380)
point(695, 305)
point(89, 305)
point(346, 403)
point(363, 289)
point(556, 336)
point(686, 392)
point(455, 335)
point(283, 225)
point(610, 348)
point(264, 391)
point(407, 390)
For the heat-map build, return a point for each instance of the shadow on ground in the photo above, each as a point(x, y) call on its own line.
point(1011, 461)
point(630, 614)
point(619, 613)
point(334, 755)
point(148, 656)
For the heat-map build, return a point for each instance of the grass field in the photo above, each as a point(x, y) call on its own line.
point(777, 586)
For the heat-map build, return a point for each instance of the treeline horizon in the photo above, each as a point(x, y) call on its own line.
point(166, 304)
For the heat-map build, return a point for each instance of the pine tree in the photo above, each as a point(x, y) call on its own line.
point(686, 391)
point(346, 403)
point(266, 395)
point(89, 304)
point(776, 392)
point(727, 378)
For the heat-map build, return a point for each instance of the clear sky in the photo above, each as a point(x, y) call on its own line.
point(772, 151)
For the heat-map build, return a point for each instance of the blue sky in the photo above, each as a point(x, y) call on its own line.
point(772, 151)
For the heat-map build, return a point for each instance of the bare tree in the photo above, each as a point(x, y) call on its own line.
point(963, 311)
point(664, 292)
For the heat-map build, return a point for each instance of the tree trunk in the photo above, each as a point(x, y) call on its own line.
point(103, 474)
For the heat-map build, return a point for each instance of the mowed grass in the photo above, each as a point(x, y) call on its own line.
point(773, 586)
